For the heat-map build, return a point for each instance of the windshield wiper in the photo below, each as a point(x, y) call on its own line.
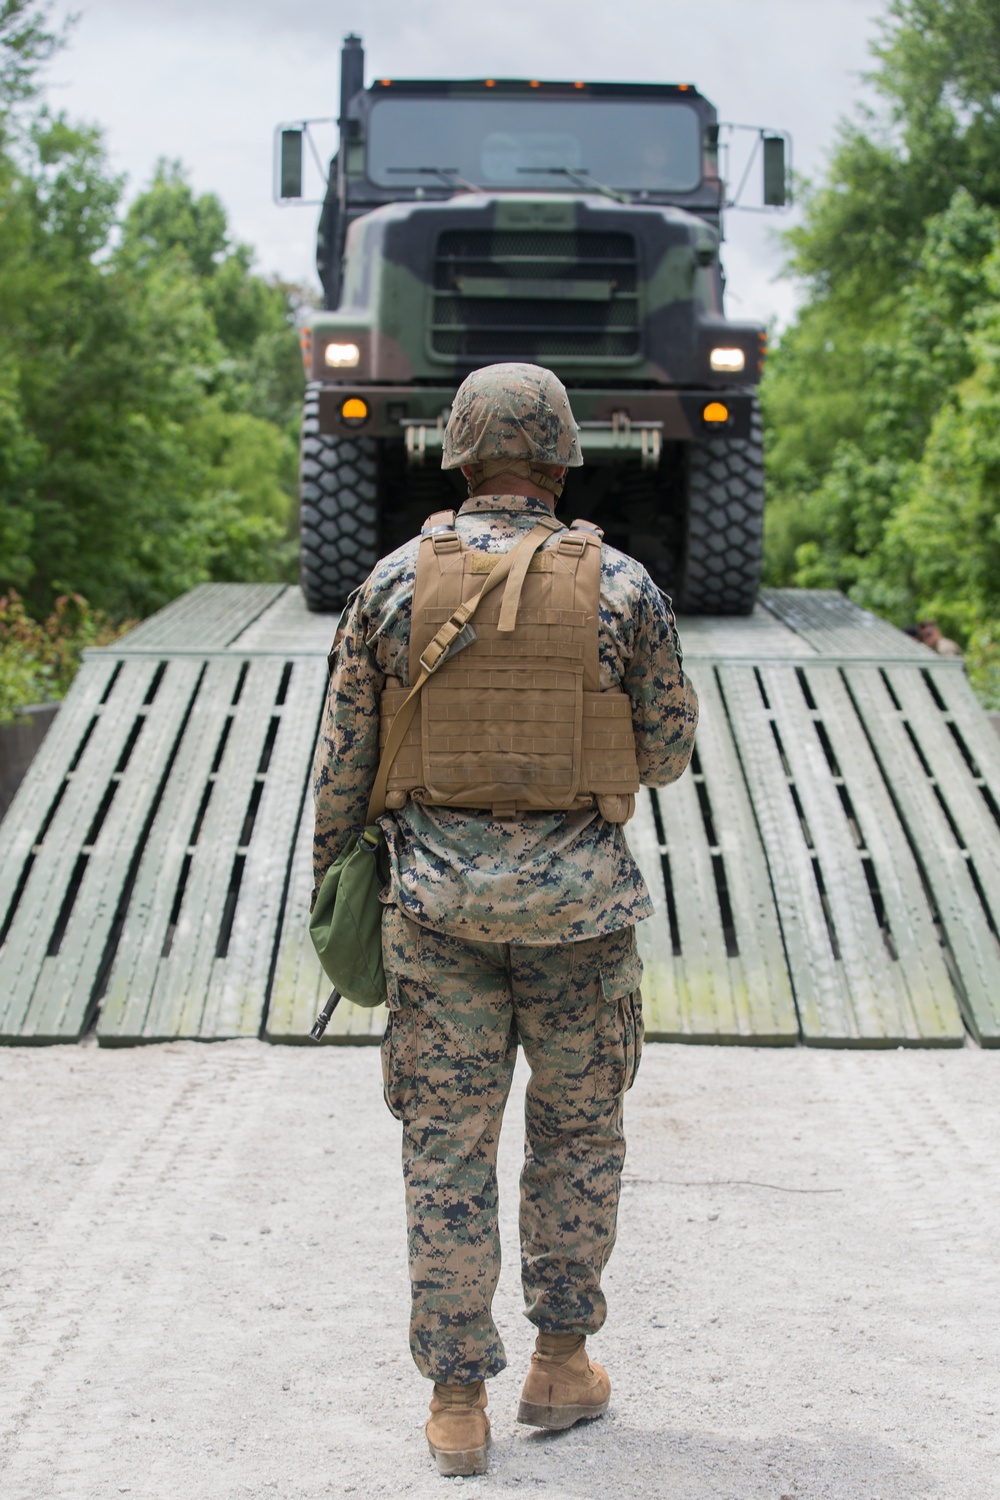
point(580, 176)
point(450, 175)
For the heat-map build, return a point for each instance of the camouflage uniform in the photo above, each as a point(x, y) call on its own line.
point(459, 1011)
point(499, 932)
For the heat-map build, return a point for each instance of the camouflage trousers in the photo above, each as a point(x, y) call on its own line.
point(457, 1013)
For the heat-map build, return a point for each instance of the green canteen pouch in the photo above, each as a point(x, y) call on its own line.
point(346, 922)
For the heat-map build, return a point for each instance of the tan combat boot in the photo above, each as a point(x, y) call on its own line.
point(458, 1431)
point(563, 1385)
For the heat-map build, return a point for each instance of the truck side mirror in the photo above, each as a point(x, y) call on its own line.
point(290, 169)
point(775, 182)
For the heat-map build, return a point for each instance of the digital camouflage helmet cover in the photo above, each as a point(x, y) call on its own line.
point(509, 419)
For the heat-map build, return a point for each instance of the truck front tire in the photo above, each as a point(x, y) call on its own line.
point(338, 517)
point(723, 531)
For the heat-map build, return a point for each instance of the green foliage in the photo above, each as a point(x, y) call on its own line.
point(882, 400)
point(25, 43)
point(150, 381)
point(38, 660)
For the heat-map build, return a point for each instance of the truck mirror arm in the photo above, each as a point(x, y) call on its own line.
point(777, 146)
point(303, 130)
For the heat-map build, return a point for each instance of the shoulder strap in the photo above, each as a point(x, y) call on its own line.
point(441, 520)
point(437, 650)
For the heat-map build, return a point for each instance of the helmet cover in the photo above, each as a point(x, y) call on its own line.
point(516, 411)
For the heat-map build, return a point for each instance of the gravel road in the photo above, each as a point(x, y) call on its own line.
point(203, 1289)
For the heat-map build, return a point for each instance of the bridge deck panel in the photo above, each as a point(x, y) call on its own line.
point(926, 1005)
point(71, 896)
point(67, 982)
point(207, 618)
point(28, 819)
point(816, 976)
point(148, 929)
point(828, 869)
point(728, 981)
point(949, 825)
point(831, 625)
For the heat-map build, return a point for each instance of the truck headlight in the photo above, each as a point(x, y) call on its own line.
point(342, 356)
point(727, 361)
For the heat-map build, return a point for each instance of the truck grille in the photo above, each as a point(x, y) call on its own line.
point(550, 294)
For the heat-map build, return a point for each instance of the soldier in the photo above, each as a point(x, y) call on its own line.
point(929, 631)
point(511, 909)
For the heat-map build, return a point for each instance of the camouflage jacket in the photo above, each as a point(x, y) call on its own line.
point(546, 877)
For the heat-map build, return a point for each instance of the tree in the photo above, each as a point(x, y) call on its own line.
point(25, 44)
point(878, 398)
point(150, 381)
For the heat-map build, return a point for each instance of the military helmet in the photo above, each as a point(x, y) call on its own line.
point(520, 412)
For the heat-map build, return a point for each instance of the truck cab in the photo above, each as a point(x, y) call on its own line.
point(571, 224)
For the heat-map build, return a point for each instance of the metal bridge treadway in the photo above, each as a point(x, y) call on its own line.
point(828, 871)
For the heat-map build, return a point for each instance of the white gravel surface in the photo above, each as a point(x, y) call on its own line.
point(203, 1287)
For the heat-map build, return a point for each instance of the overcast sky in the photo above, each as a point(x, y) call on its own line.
point(206, 81)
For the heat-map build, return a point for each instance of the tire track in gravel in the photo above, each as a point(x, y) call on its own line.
point(92, 1278)
point(924, 1135)
point(213, 1305)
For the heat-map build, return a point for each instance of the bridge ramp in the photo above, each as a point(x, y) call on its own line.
point(828, 871)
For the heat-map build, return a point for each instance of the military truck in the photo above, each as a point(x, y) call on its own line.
point(575, 225)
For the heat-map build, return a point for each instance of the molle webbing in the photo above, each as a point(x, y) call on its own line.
point(514, 719)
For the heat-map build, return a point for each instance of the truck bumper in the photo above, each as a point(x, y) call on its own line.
point(606, 417)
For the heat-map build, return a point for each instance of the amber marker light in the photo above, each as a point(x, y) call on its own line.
point(491, 83)
point(385, 82)
point(534, 84)
point(579, 85)
point(716, 412)
point(354, 411)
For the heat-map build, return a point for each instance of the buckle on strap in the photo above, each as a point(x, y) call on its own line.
point(436, 650)
point(439, 647)
point(572, 546)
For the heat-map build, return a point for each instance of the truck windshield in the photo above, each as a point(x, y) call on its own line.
point(536, 143)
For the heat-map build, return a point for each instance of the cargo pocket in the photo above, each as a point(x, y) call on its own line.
point(619, 1039)
point(398, 1051)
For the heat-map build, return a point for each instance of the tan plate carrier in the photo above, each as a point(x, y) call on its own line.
point(511, 717)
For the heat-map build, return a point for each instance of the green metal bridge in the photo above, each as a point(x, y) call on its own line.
point(827, 872)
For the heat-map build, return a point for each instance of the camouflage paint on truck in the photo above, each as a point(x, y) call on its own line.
point(568, 224)
point(625, 298)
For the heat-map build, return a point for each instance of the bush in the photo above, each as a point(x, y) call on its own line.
point(982, 658)
point(38, 661)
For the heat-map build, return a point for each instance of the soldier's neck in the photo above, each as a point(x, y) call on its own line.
point(513, 484)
